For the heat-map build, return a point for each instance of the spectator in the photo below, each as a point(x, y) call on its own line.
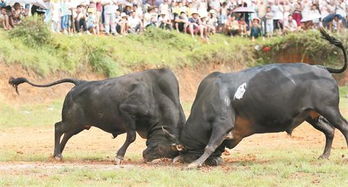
point(92, 23)
point(181, 22)
point(232, 26)
point(2, 3)
point(278, 13)
point(195, 25)
point(134, 23)
point(5, 19)
point(297, 15)
point(290, 25)
point(223, 17)
point(150, 18)
point(80, 19)
point(336, 24)
point(65, 16)
point(55, 17)
point(164, 21)
point(16, 15)
point(269, 22)
point(99, 9)
point(243, 27)
point(109, 16)
point(123, 24)
point(197, 17)
point(212, 22)
point(255, 30)
point(315, 14)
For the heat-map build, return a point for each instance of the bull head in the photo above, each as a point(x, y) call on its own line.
point(176, 146)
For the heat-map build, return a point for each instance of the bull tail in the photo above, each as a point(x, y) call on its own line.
point(338, 44)
point(15, 82)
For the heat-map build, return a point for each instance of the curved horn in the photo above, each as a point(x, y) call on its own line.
point(168, 133)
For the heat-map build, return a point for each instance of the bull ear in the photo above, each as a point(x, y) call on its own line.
point(168, 134)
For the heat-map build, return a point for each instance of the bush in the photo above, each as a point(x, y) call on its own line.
point(32, 31)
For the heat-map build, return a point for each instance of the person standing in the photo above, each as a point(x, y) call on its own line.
point(110, 8)
point(277, 16)
point(269, 22)
point(64, 13)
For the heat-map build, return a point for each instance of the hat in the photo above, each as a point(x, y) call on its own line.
point(212, 11)
point(256, 18)
point(194, 12)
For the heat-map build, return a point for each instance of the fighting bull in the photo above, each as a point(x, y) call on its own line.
point(144, 102)
point(272, 98)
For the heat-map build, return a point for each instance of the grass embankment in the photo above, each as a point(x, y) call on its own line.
point(34, 47)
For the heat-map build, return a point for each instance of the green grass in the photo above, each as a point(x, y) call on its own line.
point(114, 56)
point(271, 168)
point(30, 115)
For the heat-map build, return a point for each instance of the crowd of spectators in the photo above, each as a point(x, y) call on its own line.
point(253, 18)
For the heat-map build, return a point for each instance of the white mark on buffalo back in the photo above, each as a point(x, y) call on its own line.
point(240, 91)
point(227, 101)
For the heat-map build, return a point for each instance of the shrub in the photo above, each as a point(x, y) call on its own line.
point(32, 31)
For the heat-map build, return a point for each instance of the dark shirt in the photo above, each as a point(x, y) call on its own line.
point(255, 31)
point(192, 20)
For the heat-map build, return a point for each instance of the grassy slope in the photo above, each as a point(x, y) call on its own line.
point(155, 48)
point(114, 56)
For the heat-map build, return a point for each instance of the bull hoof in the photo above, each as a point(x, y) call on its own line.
point(193, 166)
point(58, 157)
point(215, 161)
point(177, 159)
point(156, 161)
point(118, 161)
point(323, 157)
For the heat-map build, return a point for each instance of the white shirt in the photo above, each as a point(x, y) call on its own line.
point(291, 25)
point(133, 22)
point(277, 12)
point(110, 6)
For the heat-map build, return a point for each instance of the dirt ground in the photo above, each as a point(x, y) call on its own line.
point(39, 141)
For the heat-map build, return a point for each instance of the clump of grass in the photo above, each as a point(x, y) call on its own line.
point(308, 44)
point(32, 31)
point(113, 56)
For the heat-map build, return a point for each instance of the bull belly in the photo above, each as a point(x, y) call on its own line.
point(111, 128)
point(280, 127)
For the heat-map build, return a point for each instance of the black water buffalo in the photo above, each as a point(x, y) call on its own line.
point(270, 98)
point(144, 102)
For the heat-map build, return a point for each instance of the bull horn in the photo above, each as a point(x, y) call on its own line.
point(180, 147)
point(168, 133)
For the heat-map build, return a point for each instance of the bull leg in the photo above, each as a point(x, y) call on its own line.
point(127, 110)
point(219, 132)
point(231, 143)
point(58, 132)
point(131, 135)
point(335, 118)
point(66, 137)
point(322, 125)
